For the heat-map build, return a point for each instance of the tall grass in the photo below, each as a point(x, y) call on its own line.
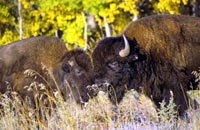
point(134, 112)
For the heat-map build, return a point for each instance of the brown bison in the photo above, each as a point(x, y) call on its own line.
point(159, 55)
point(46, 63)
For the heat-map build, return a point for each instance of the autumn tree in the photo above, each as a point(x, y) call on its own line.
point(80, 23)
point(7, 21)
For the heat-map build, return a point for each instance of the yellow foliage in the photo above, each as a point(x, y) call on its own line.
point(109, 1)
point(79, 21)
point(169, 6)
point(5, 16)
point(69, 17)
point(4, 11)
point(184, 2)
point(73, 34)
point(26, 4)
point(108, 13)
point(129, 6)
point(99, 21)
point(8, 37)
point(35, 27)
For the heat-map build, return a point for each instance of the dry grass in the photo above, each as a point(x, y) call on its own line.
point(135, 112)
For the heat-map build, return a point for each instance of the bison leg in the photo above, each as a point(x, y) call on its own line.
point(180, 99)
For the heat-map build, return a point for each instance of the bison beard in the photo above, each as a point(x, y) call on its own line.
point(48, 57)
point(164, 50)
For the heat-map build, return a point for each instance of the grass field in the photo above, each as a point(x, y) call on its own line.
point(135, 112)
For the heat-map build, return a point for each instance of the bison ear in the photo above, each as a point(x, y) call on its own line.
point(65, 68)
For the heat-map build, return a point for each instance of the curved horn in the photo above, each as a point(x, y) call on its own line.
point(125, 52)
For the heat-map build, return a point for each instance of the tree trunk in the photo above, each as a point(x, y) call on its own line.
point(85, 32)
point(20, 20)
point(56, 33)
point(107, 28)
point(135, 17)
point(196, 7)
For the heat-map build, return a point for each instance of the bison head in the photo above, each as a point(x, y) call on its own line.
point(116, 64)
point(75, 75)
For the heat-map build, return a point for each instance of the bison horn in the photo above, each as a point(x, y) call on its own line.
point(125, 52)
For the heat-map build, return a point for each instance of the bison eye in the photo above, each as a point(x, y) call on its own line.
point(113, 64)
point(78, 72)
point(136, 57)
point(65, 68)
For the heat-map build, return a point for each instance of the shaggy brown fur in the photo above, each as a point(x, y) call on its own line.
point(165, 49)
point(78, 64)
point(172, 36)
point(48, 58)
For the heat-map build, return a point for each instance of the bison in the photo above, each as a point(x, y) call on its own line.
point(45, 62)
point(159, 55)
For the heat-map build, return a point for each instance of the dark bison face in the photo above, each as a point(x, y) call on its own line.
point(76, 67)
point(116, 65)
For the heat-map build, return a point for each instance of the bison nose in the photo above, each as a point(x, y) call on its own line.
point(84, 99)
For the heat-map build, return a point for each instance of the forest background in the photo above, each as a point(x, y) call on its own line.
point(80, 23)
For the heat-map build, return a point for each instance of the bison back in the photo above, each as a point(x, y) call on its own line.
point(168, 38)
